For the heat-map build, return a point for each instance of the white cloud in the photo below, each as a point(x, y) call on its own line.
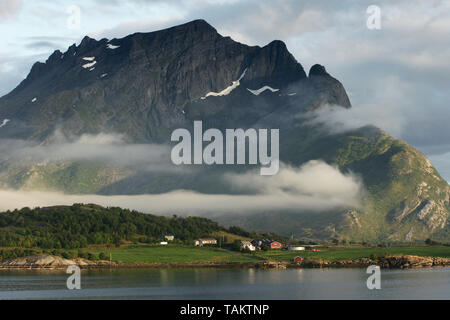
point(315, 179)
point(110, 149)
point(386, 110)
point(315, 186)
point(9, 8)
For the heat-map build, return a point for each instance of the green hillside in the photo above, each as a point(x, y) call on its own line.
point(80, 226)
point(405, 199)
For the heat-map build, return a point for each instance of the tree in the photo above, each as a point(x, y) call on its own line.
point(236, 245)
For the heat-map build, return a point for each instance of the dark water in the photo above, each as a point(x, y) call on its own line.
point(227, 284)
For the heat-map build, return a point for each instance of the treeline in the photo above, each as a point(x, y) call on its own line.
point(79, 226)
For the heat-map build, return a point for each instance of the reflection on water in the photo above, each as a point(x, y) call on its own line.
point(226, 284)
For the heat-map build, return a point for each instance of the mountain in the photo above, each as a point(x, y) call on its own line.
point(139, 84)
point(146, 84)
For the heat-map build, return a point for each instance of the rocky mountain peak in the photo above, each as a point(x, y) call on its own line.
point(87, 42)
point(198, 26)
point(318, 70)
point(147, 80)
point(55, 55)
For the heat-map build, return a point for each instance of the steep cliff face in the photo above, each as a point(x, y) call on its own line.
point(140, 84)
point(146, 84)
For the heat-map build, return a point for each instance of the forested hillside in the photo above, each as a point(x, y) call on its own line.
point(80, 225)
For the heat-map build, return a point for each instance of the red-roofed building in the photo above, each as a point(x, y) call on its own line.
point(274, 245)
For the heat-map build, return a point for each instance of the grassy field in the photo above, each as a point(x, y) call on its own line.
point(333, 254)
point(176, 254)
point(179, 254)
point(185, 254)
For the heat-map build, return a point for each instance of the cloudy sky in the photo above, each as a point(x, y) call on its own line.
point(398, 77)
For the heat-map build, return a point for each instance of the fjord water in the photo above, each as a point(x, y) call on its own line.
point(223, 284)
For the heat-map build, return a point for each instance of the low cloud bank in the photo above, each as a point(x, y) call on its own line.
point(106, 148)
point(338, 120)
point(315, 180)
point(314, 186)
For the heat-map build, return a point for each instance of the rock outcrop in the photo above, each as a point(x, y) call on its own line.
point(50, 262)
point(389, 262)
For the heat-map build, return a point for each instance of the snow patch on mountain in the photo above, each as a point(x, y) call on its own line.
point(112, 47)
point(227, 90)
point(261, 90)
point(4, 122)
point(89, 65)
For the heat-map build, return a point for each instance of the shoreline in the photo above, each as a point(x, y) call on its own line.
point(389, 262)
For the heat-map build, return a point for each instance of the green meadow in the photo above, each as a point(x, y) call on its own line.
point(195, 255)
point(176, 255)
point(338, 253)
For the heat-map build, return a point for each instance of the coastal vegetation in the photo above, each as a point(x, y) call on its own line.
point(176, 254)
point(66, 228)
point(128, 237)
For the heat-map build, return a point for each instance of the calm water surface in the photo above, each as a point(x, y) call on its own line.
point(227, 284)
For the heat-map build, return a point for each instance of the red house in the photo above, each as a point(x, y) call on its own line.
point(298, 259)
point(275, 245)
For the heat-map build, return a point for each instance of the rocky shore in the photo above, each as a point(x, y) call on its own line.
point(51, 262)
point(388, 262)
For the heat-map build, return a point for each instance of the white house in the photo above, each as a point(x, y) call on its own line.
point(205, 241)
point(296, 248)
point(247, 245)
point(169, 237)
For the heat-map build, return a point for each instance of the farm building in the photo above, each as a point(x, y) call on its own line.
point(296, 248)
point(205, 241)
point(257, 243)
point(247, 245)
point(169, 237)
point(274, 244)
